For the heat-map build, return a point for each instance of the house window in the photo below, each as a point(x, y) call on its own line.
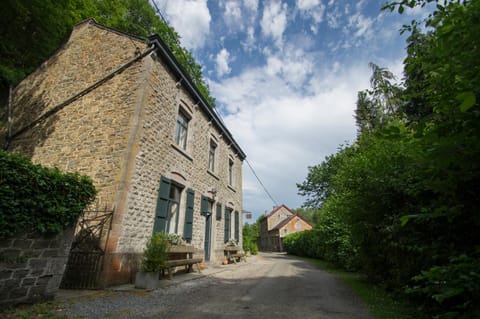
point(298, 225)
point(173, 210)
point(211, 156)
point(228, 225)
point(168, 204)
point(230, 172)
point(181, 131)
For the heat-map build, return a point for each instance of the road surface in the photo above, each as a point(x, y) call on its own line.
point(267, 286)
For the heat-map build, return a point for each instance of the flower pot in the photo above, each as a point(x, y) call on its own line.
point(147, 280)
point(225, 261)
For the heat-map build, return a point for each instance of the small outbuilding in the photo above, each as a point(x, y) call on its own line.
point(280, 222)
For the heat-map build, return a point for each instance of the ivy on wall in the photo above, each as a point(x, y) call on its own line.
point(34, 198)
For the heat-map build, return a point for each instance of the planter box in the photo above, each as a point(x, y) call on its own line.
point(187, 249)
point(147, 280)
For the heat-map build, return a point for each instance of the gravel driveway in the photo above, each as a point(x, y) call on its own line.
point(268, 285)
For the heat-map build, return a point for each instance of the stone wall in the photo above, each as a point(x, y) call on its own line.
point(158, 156)
point(32, 266)
point(122, 135)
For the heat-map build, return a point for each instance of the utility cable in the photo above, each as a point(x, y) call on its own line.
point(258, 179)
point(221, 119)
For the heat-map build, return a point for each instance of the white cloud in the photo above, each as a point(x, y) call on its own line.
point(274, 21)
point(232, 14)
point(251, 5)
point(282, 130)
point(190, 18)
point(333, 18)
point(361, 25)
point(293, 65)
point(249, 43)
point(222, 59)
point(313, 9)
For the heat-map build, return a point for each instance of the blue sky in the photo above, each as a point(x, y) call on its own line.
point(286, 76)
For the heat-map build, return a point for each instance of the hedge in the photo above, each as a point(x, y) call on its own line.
point(34, 198)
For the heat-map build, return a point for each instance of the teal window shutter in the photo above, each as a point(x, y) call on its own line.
point(204, 206)
point(237, 226)
point(219, 211)
point(228, 212)
point(188, 228)
point(163, 200)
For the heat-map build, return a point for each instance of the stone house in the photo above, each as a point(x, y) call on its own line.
point(121, 110)
point(277, 224)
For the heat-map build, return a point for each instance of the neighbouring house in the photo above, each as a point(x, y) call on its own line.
point(121, 110)
point(280, 222)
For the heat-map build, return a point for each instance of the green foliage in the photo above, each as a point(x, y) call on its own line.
point(38, 199)
point(330, 240)
point(31, 30)
point(407, 189)
point(451, 289)
point(251, 233)
point(155, 253)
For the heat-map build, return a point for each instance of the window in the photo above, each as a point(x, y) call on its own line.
point(237, 226)
point(206, 206)
point(211, 156)
point(181, 131)
point(230, 172)
point(228, 213)
point(168, 207)
point(172, 225)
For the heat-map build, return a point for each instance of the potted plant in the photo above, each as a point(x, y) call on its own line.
point(232, 243)
point(153, 262)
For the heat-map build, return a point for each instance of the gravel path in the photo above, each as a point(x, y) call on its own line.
point(270, 285)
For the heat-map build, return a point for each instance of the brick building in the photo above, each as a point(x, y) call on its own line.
point(277, 224)
point(122, 111)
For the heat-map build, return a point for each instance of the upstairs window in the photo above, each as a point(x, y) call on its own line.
point(181, 130)
point(230, 172)
point(211, 156)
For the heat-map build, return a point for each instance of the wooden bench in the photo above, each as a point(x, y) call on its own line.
point(181, 255)
point(232, 253)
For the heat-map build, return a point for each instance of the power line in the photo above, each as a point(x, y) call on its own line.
point(258, 179)
point(221, 119)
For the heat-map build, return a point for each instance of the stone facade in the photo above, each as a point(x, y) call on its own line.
point(31, 266)
point(122, 133)
point(280, 222)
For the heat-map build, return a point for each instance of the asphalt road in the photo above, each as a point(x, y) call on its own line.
point(267, 286)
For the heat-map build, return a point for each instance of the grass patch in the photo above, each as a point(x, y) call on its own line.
point(40, 310)
point(382, 304)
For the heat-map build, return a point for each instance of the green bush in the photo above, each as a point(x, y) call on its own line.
point(34, 198)
point(329, 240)
point(155, 253)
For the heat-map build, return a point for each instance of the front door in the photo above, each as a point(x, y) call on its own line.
point(208, 235)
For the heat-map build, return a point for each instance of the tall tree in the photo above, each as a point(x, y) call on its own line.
point(30, 30)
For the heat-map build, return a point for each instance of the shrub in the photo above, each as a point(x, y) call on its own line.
point(34, 198)
point(155, 253)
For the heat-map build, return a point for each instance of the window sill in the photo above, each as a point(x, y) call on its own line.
point(231, 188)
point(181, 151)
point(213, 175)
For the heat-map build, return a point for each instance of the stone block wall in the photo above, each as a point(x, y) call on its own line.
point(158, 155)
point(32, 266)
point(122, 135)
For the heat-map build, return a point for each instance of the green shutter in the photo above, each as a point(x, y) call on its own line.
point(237, 226)
point(219, 211)
point(188, 228)
point(163, 200)
point(227, 223)
point(204, 206)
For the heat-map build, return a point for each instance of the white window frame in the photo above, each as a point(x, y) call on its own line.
point(181, 126)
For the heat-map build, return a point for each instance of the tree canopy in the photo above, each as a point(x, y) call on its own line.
point(31, 30)
point(406, 191)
